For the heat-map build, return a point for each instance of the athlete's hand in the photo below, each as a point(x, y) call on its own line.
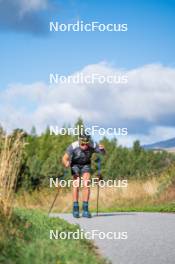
point(67, 164)
point(101, 147)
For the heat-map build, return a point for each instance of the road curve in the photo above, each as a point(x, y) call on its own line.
point(150, 236)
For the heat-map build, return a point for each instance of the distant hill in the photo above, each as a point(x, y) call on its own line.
point(168, 144)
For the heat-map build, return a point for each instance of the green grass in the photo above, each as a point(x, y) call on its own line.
point(164, 207)
point(25, 239)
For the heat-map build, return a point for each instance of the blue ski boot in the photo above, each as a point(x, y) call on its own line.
point(76, 210)
point(86, 212)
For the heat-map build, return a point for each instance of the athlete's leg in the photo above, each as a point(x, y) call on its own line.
point(75, 170)
point(76, 185)
point(86, 191)
point(86, 186)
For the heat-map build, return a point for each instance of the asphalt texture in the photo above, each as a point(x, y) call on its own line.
point(140, 238)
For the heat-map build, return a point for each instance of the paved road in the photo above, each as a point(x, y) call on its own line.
point(151, 236)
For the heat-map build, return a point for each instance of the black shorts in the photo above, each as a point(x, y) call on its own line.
point(80, 169)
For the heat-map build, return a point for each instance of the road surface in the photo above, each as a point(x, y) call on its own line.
point(150, 236)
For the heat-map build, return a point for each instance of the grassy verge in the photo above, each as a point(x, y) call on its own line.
point(164, 208)
point(139, 196)
point(25, 239)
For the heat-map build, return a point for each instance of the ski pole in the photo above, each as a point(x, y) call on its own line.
point(52, 205)
point(98, 188)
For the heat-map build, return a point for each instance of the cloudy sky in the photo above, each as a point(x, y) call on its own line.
point(145, 53)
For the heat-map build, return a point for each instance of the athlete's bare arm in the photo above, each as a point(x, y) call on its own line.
point(66, 160)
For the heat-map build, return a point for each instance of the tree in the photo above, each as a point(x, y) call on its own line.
point(33, 131)
point(136, 147)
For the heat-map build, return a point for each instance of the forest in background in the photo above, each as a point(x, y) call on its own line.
point(43, 154)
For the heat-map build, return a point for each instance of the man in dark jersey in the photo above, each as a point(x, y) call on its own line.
point(78, 158)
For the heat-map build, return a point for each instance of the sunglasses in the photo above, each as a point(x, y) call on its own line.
point(84, 144)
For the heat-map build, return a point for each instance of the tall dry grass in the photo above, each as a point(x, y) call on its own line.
point(139, 193)
point(11, 151)
point(136, 192)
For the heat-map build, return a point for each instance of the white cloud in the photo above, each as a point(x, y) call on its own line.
point(32, 5)
point(25, 16)
point(150, 93)
point(156, 134)
point(146, 102)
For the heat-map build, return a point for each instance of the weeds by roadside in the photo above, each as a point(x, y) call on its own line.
point(11, 151)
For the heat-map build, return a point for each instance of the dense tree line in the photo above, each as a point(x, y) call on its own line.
point(43, 155)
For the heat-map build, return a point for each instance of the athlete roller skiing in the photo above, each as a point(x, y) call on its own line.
point(78, 158)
